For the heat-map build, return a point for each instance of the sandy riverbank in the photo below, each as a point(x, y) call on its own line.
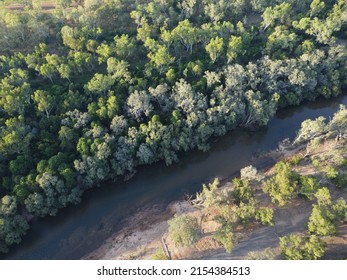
point(146, 232)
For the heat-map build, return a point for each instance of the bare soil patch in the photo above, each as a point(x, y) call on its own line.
point(147, 231)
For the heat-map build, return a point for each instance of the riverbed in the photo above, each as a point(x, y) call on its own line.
point(79, 229)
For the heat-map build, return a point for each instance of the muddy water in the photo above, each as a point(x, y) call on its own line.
point(80, 229)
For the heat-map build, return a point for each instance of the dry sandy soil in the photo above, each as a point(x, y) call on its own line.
point(147, 231)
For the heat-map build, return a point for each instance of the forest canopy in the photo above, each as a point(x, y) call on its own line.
point(89, 90)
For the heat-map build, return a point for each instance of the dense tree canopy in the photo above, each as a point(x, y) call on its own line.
point(92, 91)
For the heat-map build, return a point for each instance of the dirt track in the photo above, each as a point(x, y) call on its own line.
point(44, 6)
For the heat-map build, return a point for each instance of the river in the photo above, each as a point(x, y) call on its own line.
point(79, 229)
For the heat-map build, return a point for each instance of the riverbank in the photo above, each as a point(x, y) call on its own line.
point(78, 230)
point(145, 235)
point(147, 230)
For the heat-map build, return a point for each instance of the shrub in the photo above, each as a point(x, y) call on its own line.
point(250, 173)
point(309, 186)
point(340, 181)
point(267, 254)
point(284, 185)
point(227, 238)
point(247, 211)
point(296, 247)
point(320, 223)
point(295, 160)
point(211, 195)
point(265, 216)
point(184, 230)
point(242, 191)
point(159, 255)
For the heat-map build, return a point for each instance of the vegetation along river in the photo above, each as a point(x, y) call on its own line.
point(80, 229)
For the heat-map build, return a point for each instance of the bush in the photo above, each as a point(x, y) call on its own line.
point(211, 195)
point(250, 173)
point(326, 212)
point(159, 255)
point(265, 216)
point(295, 160)
point(227, 238)
point(340, 210)
point(184, 230)
point(309, 186)
point(340, 181)
point(247, 211)
point(267, 254)
point(296, 247)
point(228, 219)
point(283, 186)
point(320, 223)
point(242, 191)
point(330, 172)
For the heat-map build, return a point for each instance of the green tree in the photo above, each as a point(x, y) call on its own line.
point(45, 102)
point(321, 221)
point(310, 129)
point(235, 48)
point(100, 84)
point(65, 71)
point(316, 7)
point(339, 122)
point(15, 137)
point(225, 234)
point(265, 216)
point(118, 69)
point(215, 48)
point(297, 247)
point(15, 92)
point(12, 225)
point(247, 211)
point(278, 14)
point(71, 38)
point(216, 10)
point(64, 3)
point(284, 185)
point(242, 191)
point(259, 110)
point(160, 57)
point(11, 231)
point(188, 8)
point(185, 33)
point(124, 46)
point(227, 238)
point(104, 51)
point(309, 186)
point(251, 174)
point(281, 42)
point(211, 195)
point(47, 71)
point(184, 230)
